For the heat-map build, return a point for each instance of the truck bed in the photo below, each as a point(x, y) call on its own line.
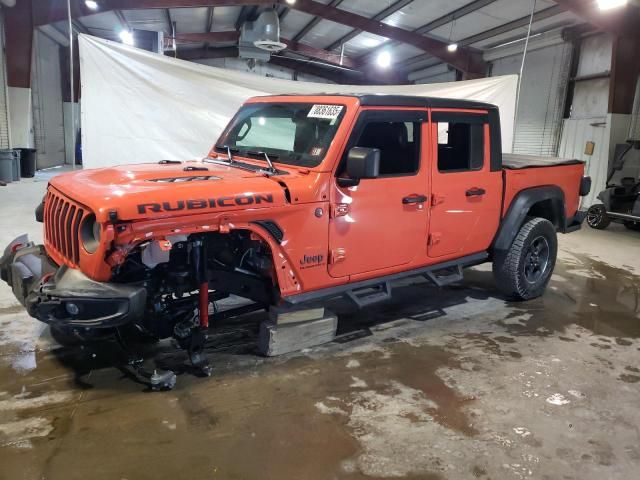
point(522, 172)
point(513, 161)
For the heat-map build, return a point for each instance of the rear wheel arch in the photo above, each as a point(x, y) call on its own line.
point(546, 202)
point(551, 209)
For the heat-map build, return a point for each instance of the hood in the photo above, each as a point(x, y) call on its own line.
point(155, 190)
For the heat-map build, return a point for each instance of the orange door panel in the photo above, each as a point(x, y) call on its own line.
point(467, 195)
point(382, 222)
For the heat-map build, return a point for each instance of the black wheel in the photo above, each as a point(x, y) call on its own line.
point(597, 217)
point(633, 226)
point(524, 271)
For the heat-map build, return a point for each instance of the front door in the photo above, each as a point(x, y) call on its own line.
point(382, 222)
point(466, 194)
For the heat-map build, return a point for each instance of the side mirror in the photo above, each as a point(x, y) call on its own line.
point(362, 163)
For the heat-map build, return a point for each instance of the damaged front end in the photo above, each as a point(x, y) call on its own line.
point(64, 297)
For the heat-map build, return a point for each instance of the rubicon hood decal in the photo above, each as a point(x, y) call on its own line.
point(201, 203)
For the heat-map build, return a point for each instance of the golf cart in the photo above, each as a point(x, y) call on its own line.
point(621, 198)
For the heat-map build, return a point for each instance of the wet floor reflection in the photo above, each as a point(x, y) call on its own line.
point(376, 403)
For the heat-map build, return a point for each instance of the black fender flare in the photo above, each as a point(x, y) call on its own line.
point(519, 209)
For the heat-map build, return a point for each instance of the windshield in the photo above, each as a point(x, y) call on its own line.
point(292, 133)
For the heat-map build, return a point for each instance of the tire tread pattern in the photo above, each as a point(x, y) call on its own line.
point(507, 266)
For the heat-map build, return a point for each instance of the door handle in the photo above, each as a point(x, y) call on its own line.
point(475, 192)
point(414, 199)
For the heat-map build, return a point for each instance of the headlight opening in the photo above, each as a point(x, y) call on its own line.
point(90, 232)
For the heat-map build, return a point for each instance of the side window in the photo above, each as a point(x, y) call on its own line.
point(398, 142)
point(460, 142)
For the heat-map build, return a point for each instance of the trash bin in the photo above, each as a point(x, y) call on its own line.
point(27, 162)
point(7, 160)
point(16, 165)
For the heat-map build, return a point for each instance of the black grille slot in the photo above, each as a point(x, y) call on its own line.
point(76, 228)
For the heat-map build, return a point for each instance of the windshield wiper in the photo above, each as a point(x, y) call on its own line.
point(255, 153)
point(228, 149)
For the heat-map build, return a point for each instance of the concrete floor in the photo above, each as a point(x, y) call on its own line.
point(451, 383)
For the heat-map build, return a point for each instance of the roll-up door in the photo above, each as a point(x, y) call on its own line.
point(542, 99)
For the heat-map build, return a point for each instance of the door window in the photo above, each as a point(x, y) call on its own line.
point(396, 135)
point(460, 142)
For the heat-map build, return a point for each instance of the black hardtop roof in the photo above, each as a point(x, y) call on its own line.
point(381, 100)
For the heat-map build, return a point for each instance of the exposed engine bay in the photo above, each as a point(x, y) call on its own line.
point(174, 270)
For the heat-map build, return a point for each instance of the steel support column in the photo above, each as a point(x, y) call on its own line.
point(625, 70)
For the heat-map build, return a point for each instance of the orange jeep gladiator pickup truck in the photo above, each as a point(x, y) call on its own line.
point(302, 199)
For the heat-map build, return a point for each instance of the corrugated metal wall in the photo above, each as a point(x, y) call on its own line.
point(591, 97)
point(436, 74)
point(542, 97)
point(575, 135)
point(4, 108)
point(589, 120)
point(634, 123)
point(440, 78)
point(48, 116)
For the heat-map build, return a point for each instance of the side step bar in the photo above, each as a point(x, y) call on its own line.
point(624, 216)
point(366, 296)
point(445, 276)
point(368, 292)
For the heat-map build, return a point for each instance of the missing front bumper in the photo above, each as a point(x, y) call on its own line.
point(65, 297)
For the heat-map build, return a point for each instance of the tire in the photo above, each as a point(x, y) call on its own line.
point(523, 271)
point(635, 226)
point(597, 217)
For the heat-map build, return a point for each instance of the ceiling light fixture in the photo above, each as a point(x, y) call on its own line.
point(291, 2)
point(384, 59)
point(91, 4)
point(609, 4)
point(453, 46)
point(126, 37)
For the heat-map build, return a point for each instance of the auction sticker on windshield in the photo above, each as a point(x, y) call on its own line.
point(329, 112)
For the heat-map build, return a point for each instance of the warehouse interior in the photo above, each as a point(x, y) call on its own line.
point(437, 382)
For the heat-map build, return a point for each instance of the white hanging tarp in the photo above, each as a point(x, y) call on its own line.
point(140, 107)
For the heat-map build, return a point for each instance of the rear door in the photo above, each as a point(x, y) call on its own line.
point(382, 222)
point(466, 194)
